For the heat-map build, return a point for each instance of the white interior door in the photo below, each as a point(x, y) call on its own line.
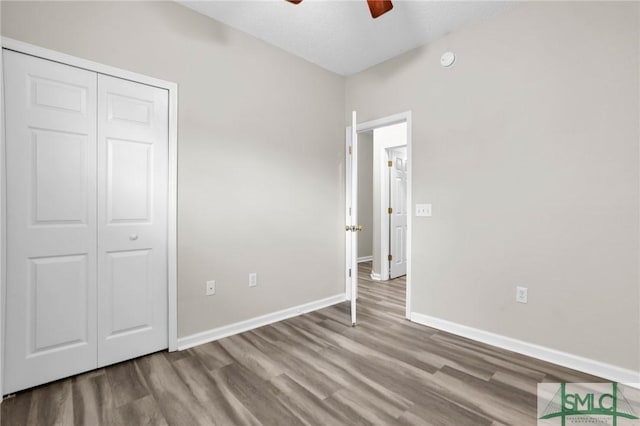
point(352, 220)
point(132, 219)
point(398, 212)
point(51, 227)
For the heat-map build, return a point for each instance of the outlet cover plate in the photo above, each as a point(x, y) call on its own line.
point(211, 288)
point(521, 294)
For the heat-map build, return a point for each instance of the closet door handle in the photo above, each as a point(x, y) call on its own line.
point(133, 237)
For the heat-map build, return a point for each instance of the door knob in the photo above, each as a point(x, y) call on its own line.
point(133, 237)
point(353, 228)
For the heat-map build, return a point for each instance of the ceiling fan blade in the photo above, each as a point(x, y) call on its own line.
point(378, 7)
point(294, 1)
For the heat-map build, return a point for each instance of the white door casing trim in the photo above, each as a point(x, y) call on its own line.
point(363, 127)
point(3, 232)
point(172, 88)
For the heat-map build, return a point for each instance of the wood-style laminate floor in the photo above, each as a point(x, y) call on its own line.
point(314, 369)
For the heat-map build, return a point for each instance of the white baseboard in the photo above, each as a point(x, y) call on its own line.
point(246, 325)
point(589, 366)
point(375, 276)
point(365, 259)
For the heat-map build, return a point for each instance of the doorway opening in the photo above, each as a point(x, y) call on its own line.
point(382, 201)
point(378, 189)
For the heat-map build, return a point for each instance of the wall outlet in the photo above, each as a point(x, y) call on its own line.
point(211, 288)
point(253, 279)
point(521, 294)
point(423, 210)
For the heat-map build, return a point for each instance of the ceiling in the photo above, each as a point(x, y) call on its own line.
point(341, 36)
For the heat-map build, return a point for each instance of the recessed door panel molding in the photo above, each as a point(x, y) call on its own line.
point(399, 247)
point(128, 109)
point(129, 181)
point(51, 257)
point(132, 219)
point(56, 94)
point(57, 305)
point(130, 289)
point(60, 176)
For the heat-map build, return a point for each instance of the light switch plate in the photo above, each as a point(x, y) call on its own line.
point(423, 210)
point(253, 279)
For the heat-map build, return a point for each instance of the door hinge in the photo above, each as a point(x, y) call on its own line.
point(390, 163)
point(390, 210)
point(349, 272)
point(390, 258)
point(349, 149)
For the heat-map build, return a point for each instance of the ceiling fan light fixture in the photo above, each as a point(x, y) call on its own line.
point(376, 7)
point(379, 7)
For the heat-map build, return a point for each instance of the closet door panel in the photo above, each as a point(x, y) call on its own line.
point(132, 219)
point(51, 329)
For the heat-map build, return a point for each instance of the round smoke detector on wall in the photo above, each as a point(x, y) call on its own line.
point(447, 59)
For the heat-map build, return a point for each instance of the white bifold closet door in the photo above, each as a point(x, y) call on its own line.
point(86, 203)
point(132, 219)
point(51, 326)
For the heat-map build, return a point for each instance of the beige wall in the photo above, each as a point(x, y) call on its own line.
point(365, 193)
point(528, 149)
point(261, 137)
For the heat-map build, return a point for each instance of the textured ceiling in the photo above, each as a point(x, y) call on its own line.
point(341, 36)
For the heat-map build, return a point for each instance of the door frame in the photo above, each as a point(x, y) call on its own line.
point(363, 127)
point(172, 199)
